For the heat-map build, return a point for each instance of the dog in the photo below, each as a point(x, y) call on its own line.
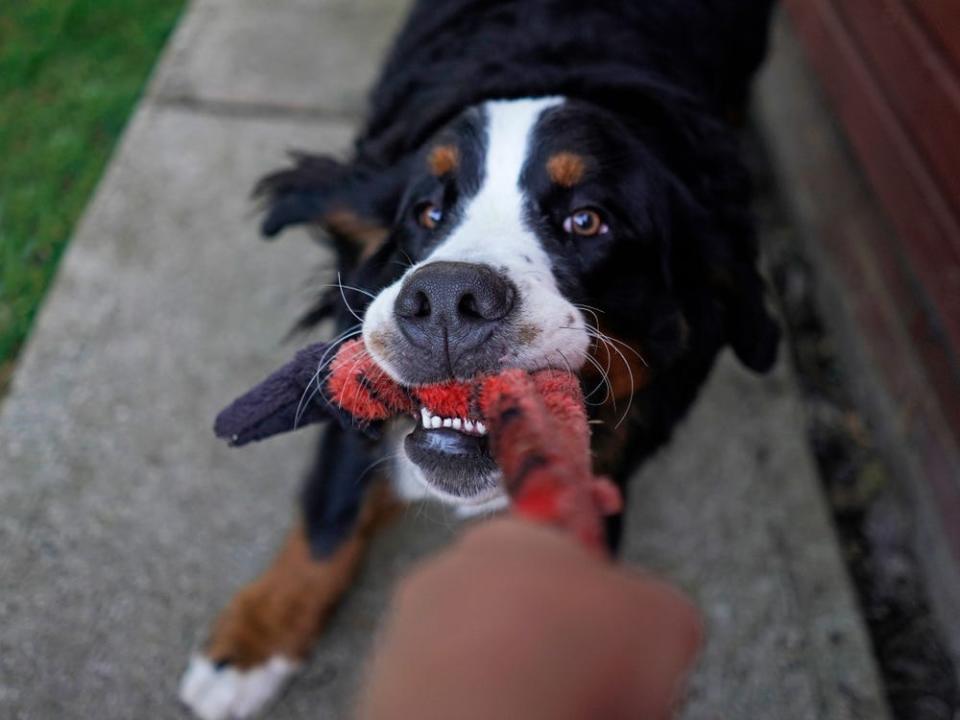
point(539, 183)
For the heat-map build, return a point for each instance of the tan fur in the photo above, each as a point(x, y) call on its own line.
point(286, 608)
point(566, 169)
point(377, 342)
point(528, 334)
point(609, 439)
point(611, 432)
point(626, 371)
point(364, 233)
point(443, 159)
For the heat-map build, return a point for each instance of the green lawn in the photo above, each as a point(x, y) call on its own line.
point(70, 73)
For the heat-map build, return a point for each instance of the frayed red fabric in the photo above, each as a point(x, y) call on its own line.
point(537, 426)
point(359, 386)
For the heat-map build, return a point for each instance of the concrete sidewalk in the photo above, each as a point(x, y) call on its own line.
point(124, 525)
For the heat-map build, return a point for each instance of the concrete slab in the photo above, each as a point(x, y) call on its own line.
point(125, 525)
point(732, 512)
point(286, 54)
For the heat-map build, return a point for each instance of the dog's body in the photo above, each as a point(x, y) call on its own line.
point(540, 183)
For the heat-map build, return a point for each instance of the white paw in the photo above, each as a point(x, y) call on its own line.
point(231, 694)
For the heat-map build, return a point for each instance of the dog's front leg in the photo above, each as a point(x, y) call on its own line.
point(271, 625)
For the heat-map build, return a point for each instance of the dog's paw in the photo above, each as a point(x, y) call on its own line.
point(224, 693)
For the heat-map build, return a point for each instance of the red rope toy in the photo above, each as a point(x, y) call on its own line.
point(536, 424)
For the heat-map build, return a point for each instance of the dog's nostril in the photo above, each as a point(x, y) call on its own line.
point(468, 307)
point(414, 305)
point(422, 305)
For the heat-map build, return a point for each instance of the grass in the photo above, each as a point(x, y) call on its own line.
point(70, 73)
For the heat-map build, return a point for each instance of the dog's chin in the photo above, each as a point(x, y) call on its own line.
point(455, 466)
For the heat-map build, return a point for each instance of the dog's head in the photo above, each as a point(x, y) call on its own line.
point(533, 233)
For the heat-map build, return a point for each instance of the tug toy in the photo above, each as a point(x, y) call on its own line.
point(536, 424)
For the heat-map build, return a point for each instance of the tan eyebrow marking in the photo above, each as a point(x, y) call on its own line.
point(443, 159)
point(566, 168)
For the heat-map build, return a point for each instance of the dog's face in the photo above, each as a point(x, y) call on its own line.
point(521, 220)
point(546, 233)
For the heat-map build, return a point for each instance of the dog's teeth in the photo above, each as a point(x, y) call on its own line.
point(432, 422)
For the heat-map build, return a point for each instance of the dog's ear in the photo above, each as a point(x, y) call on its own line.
point(752, 333)
point(354, 202)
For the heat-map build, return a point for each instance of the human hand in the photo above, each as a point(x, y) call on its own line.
point(519, 621)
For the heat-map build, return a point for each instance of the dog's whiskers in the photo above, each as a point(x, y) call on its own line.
point(343, 297)
point(347, 287)
point(315, 384)
point(609, 344)
point(592, 333)
point(361, 355)
point(375, 463)
point(598, 386)
point(593, 313)
point(603, 372)
point(604, 382)
point(627, 346)
point(583, 306)
point(365, 382)
point(626, 363)
point(596, 328)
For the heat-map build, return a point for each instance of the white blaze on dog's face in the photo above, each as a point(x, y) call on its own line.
point(481, 294)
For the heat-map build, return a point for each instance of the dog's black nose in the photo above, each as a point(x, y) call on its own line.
point(449, 308)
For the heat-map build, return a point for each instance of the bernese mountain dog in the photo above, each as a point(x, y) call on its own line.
point(538, 183)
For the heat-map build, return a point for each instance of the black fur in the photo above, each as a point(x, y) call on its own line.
point(663, 79)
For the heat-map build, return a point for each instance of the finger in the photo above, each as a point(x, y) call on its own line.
point(667, 634)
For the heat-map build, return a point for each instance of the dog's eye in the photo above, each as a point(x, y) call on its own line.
point(429, 216)
point(585, 223)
